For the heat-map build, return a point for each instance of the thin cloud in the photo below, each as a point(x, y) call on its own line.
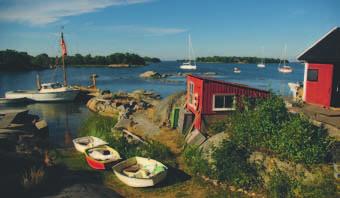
point(146, 31)
point(42, 12)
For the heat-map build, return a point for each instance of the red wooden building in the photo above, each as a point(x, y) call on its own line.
point(208, 98)
point(322, 71)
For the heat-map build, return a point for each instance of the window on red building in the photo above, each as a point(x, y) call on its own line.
point(312, 74)
point(224, 102)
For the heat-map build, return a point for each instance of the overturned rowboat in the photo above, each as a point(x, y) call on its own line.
point(102, 157)
point(83, 143)
point(140, 172)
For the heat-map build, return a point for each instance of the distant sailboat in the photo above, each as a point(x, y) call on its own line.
point(261, 64)
point(285, 68)
point(237, 70)
point(189, 65)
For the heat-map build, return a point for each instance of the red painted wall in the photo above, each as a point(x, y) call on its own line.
point(210, 88)
point(198, 89)
point(205, 89)
point(319, 92)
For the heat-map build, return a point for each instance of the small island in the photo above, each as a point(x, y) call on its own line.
point(236, 59)
point(11, 60)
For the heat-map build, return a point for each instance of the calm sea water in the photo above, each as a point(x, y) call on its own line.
point(64, 119)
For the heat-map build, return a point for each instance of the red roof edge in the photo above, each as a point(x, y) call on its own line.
point(227, 83)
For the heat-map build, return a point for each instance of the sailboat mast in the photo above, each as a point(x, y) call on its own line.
point(189, 43)
point(284, 55)
point(64, 54)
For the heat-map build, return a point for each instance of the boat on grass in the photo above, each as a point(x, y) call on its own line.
point(140, 172)
point(189, 65)
point(87, 142)
point(102, 157)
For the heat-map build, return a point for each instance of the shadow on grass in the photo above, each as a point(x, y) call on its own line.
point(174, 177)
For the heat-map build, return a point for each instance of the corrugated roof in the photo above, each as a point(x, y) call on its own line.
point(325, 50)
point(227, 83)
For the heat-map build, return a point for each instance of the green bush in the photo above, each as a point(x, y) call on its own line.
point(324, 187)
point(195, 163)
point(280, 185)
point(271, 128)
point(217, 127)
point(231, 165)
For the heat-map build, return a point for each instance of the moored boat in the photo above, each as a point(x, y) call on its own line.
point(48, 92)
point(102, 157)
point(8, 101)
point(87, 142)
point(189, 65)
point(285, 69)
point(237, 70)
point(140, 172)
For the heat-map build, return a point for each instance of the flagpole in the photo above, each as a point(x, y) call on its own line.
point(64, 53)
point(64, 69)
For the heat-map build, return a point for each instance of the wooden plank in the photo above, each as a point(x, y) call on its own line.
point(135, 136)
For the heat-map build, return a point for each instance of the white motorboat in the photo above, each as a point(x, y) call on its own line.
point(47, 92)
point(189, 65)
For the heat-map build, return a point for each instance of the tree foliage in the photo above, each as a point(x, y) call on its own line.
point(14, 60)
point(236, 59)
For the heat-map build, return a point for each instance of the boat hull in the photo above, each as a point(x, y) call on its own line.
point(189, 67)
point(68, 95)
point(102, 164)
point(93, 142)
point(138, 182)
point(13, 100)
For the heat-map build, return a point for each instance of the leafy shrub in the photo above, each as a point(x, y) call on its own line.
point(217, 127)
point(280, 185)
point(231, 165)
point(195, 162)
point(270, 127)
point(323, 188)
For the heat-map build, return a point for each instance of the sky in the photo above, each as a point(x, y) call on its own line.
point(160, 28)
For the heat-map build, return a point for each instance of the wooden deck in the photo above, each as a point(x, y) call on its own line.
point(325, 116)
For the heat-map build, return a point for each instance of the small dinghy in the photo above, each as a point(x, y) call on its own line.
point(140, 172)
point(102, 157)
point(83, 143)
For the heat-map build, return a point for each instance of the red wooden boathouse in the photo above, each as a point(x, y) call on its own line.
point(322, 71)
point(208, 98)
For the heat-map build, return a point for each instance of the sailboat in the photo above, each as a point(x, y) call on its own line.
point(285, 68)
point(189, 65)
point(261, 64)
point(51, 91)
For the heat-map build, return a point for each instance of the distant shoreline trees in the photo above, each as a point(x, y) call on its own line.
point(236, 59)
point(12, 60)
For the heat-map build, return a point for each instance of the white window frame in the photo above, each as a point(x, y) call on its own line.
point(191, 94)
point(224, 109)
